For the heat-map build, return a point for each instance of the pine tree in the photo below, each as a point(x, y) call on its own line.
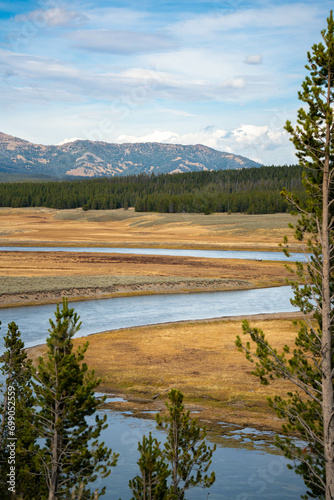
point(152, 482)
point(71, 454)
point(185, 449)
point(17, 434)
point(310, 365)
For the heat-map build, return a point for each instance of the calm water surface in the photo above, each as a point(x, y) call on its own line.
point(241, 473)
point(123, 312)
point(213, 254)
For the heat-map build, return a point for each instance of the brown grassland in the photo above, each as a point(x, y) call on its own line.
point(199, 358)
point(44, 226)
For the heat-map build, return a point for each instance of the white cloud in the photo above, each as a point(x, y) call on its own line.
point(262, 136)
point(65, 141)
point(176, 112)
point(235, 83)
point(133, 85)
point(247, 140)
point(115, 18)
point(217, 64)
point(120, 42)
point(271, 17)
point(155, 136)
point(253, 59)
point(51, 17)
point(127, 72)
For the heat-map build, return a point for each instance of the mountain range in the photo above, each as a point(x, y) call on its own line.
point(83, 158)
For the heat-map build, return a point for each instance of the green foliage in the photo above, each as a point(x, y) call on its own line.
point(71, 453)
point(17, 433)
point(303, 415)
point(309, 409)
point(248, 190)
point(152, 482)
point(185, 457)
point(185, 449)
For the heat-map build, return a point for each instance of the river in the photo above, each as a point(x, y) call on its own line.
point(208, 254)
point(123, 312)
point(241, 473)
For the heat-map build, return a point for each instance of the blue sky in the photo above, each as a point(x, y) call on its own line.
point(221, 73)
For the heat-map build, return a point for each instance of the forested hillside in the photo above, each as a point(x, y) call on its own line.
point(251, 190)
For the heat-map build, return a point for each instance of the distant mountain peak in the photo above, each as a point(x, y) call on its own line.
point(7, 137)
point(84, 158)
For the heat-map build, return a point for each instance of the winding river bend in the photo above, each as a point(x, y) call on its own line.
point(241, 473)
point(123, 312)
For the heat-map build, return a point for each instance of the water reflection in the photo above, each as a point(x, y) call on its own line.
point(123, 312)
point(241, 473)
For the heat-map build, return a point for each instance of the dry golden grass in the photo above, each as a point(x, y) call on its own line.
point(94, 275)
point(199, 358)
point(43, 226)
point(33, 264)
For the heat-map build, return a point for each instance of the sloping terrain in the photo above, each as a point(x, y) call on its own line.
point(97, 159)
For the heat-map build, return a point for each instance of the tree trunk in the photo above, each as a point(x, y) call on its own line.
point(54, 468)
point(176, 457)
point(327, 378)
point(55, 446)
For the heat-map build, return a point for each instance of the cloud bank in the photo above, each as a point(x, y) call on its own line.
point(246, 140)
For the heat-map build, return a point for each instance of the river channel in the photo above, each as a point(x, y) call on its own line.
point(242, 473)
point(208, 254)
point(246, 470)
point(123, 312)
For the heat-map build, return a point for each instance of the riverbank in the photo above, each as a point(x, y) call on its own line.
point(23, 291)
point(199, 357)
point(45, 277)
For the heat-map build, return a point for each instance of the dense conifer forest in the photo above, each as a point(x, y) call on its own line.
point(248, 190)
